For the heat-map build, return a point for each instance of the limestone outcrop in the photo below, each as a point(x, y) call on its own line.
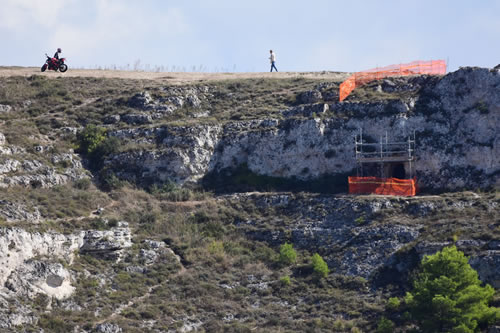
point(455, 118)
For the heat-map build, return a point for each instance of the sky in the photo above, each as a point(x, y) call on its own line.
point(236, 35)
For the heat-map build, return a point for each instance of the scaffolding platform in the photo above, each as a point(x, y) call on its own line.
point(395, 162)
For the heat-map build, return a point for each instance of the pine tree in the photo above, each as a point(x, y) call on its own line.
point(448, 296)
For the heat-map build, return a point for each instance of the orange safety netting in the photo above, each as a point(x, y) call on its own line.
point(388, 186)
point(436, 67)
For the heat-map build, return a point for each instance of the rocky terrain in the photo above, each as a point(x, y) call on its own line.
point(134, 205)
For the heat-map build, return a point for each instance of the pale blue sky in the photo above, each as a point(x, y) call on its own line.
point(236, 35)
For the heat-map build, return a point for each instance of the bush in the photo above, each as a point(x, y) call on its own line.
point(448, 296)
point(54, 324)
point(285, 280)
point(82, 184)
point(94, 143)
point(216, 248)
point(393, 304)
point(319, 266)
point(288, 255)
point(385, 326)
point(90, 138)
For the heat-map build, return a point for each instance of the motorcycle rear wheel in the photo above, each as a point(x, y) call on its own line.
point(44, 67)
point(63, 68)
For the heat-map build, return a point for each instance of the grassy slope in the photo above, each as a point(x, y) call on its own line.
point(218, 279)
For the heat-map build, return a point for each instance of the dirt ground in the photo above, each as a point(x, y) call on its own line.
point(171, 77)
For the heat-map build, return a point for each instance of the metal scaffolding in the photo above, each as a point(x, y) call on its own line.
point(385, 153)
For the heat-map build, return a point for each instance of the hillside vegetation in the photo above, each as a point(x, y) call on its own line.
point(222, 206)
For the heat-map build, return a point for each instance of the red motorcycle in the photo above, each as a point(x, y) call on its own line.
point(55, 64)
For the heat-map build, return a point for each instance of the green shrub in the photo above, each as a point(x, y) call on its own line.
point(385, 326)
point(90, 138)
point(285, 280)
point(448, 296)
point(319, 266)
point(288, 255)
point(54, 324)
point(82, 184)
point(393, 304)
point(110, 181)
point(360, 220)
point(94, 144)
point(216, 248)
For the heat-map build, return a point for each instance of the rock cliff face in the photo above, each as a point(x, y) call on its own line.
point(364, 238)
point(455, 119)
point(30, 264)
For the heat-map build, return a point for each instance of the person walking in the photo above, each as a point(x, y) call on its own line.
point(272, 58)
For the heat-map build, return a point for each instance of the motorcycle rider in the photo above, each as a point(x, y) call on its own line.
point(56, 55)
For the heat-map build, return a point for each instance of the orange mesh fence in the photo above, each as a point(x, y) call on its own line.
point(388, 186)
point(436, 67)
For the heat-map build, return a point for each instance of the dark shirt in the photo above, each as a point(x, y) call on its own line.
point(56, 55)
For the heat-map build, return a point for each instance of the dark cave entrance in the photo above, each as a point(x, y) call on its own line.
point(398, 171)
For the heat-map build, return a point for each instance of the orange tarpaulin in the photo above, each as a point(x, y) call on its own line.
point(436, 67)
point(388, 186)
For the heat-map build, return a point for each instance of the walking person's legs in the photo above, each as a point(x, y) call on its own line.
point(273, 66)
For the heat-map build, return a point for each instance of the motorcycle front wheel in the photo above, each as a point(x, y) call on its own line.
point(44, 67)
point(63, 68)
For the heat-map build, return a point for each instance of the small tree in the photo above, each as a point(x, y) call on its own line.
point(288, 255)
point(385, 326)
point(319, 266)
point(448, 296)
point(95, 144)
point(90, 138)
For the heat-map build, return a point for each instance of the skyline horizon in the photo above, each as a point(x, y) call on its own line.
point(222, 36)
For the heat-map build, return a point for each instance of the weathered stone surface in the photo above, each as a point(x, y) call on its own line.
point(137, 118)
point(16, 212)
point(455, 119)
point(34, 277)
point(306, 110)
point(18, 246)
point(341, 229)
point(487, 265)
point(174, 161)
point(112, 119)
point(107, 244)
point(310, 97)
point(193, 101)
point(141, 100)
point(9, 165)
point(63, 167)
point(5, 108)
point(107, 328)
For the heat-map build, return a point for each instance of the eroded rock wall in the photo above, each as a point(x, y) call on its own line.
point(455, 118)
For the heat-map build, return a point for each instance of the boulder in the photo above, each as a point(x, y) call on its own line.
point(112, 119)
point(5, 108)
point(107, 328)
point(141, 100)
point(107, 244)
point(310, 97)
point(137, 118)
point(487, 265)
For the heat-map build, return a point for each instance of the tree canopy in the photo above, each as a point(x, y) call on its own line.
point(448, 295)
